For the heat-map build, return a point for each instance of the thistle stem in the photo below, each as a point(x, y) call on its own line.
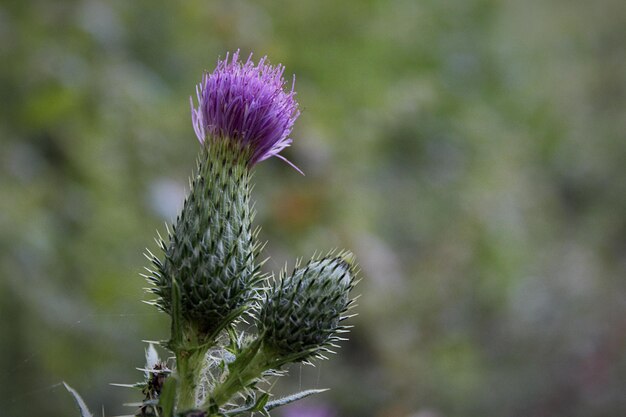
point(189, 364)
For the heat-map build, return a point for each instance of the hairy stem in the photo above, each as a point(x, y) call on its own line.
point(248, 367)
point(189, 364)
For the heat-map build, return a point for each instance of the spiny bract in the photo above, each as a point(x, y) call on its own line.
point(302, 313)
point(212, 248)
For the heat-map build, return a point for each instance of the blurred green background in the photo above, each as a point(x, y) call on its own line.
point(471, 153)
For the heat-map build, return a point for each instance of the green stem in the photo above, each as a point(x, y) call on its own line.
point(189, 364)
point(189, 359)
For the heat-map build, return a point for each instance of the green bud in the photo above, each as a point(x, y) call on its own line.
point(212, 248)
point(302, 314)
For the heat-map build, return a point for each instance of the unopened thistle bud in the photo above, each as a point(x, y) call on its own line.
point(212, 247)
point(243, 116)
point(301, 316)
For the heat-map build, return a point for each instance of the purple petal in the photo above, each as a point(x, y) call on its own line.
point(248, 104)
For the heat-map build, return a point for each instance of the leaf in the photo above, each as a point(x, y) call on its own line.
point(227, 321)
point(139, 385)
point(291, 398)
point(261, 402)
point(177, 317)
point(82, 407)
point(167, 399)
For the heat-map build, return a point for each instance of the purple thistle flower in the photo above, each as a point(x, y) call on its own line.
point(246, 104)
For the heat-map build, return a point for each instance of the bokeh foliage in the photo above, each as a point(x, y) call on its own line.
point(471, 153)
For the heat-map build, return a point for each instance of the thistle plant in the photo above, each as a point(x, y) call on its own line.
point(207, 276)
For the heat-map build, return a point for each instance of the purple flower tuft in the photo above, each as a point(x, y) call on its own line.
point(247, 104)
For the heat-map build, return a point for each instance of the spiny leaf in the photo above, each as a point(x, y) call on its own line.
point(291, 398)
point(139, 385)
point(84, 411)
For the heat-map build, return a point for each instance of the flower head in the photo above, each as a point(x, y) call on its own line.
point(246, 104)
